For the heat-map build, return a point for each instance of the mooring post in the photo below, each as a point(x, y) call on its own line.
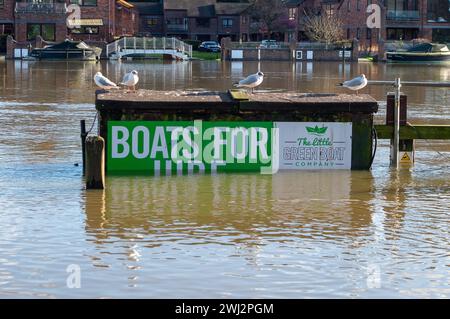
point(95, 162)
point(396, 138)
point(83, 143)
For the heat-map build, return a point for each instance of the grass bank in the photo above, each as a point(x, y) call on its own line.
point(205, 55)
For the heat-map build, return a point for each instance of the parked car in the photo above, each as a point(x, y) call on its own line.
point(269, 44)
point(209, 46)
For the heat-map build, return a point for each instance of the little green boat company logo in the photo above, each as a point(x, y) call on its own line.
point(318, 131)
point(318, 140)
point(315, 145)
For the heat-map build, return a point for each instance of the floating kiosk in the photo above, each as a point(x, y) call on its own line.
point(182, 132)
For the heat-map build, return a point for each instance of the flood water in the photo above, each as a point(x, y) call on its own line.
point(378, 233)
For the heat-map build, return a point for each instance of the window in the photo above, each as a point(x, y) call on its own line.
point(358, 33)
point(358, 5)
point(400, 5)
point(292, 13)
point(438, 11)
point(348, 6)
point(369, 34)
point(85, 3)
point(85, 30)
point(348, 33)
point(45, 30)
point(6, 29)
point(227, 23)
point(151, 22)
point(202, 22)
point(2, 3)
point(175, 21)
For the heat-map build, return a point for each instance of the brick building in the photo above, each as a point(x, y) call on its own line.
point(400, 19)
point(104, 20)
point(194, 19)
point(6, 17)
point(101, 20)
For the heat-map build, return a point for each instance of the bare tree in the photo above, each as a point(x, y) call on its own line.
point(270, 14)
point(324, 27)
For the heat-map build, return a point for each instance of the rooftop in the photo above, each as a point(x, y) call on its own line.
point(206, 8)
point(262, 102)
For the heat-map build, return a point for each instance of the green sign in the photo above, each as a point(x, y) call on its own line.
point(166, 148)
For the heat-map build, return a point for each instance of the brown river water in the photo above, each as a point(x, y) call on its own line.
point(378, 233)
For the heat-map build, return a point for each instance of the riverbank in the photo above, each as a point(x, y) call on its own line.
point(206, 56)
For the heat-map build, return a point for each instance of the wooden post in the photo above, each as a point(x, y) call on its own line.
point(406, 147)
point(83, 143)
point(95, 162)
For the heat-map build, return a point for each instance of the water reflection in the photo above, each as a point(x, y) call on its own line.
point(232, 209)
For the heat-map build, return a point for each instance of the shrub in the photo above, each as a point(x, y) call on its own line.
point(195, 43)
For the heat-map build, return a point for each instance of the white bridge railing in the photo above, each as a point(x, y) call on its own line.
point(148, 44)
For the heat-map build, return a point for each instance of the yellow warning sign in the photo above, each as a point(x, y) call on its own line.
point(406, 158)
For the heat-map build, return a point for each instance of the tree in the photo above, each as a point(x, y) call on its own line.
point(269, 14)
point(324, 27)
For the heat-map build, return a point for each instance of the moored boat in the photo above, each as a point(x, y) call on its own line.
point(427, 52)
point(67, 50)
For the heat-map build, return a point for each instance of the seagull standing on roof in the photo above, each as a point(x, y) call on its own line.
point(130, 80)
point(355, 84)
point(103, 82)
point(251, 82)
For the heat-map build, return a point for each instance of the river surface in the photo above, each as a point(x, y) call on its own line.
point(378, 233)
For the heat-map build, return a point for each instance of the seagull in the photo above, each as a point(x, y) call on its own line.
point(251, 81)
point(103, 82)
point(355, 84)
point(131, 79)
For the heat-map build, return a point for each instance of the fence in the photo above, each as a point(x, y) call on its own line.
point(144, 43)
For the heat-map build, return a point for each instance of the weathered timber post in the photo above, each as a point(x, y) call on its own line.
point(406, 147)
point(95, 162)
point(83, 143)
point(225, 44)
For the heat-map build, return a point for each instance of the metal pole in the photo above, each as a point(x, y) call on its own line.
point(412, 83)
point(83, 143)
point(396, 138)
